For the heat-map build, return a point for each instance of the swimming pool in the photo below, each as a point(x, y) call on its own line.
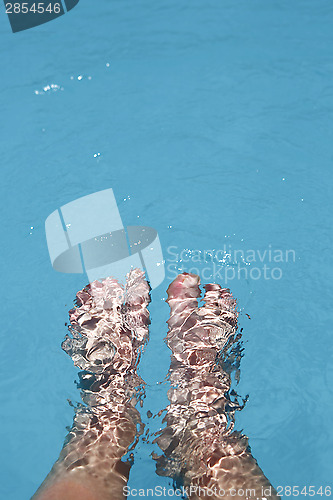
point(211, 121)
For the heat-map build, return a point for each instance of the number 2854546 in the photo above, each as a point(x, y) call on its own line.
point(310, 491)
point(35, 8)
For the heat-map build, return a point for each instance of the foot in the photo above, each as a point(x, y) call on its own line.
point(199, 443)
point(108, 329)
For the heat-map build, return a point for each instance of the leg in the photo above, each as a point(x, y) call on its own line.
point(199, 443)
point(108, 327)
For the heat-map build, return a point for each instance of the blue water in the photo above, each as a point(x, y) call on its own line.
point(212, 122)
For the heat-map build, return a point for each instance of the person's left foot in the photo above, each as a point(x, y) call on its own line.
point(108, 329)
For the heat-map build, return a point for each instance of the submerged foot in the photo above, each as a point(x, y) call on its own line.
point(108, 328)
point(199, 443)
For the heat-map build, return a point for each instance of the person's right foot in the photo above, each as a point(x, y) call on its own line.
point(199, 444)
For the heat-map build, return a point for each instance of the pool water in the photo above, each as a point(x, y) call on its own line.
point(212, 122)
